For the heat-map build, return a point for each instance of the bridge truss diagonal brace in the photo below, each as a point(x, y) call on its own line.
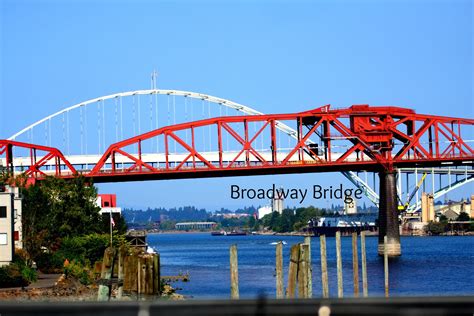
point(34, 169)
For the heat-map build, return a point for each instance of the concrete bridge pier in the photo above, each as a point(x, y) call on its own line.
point(388, 215)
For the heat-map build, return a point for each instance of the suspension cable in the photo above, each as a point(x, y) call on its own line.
point(209, 116)
point(186, 115)
point(134, 111)
point(103, 126)
point(85, 129)
point(116, 121)
point(156, 121)
point(121, 119)
point(82, 129)
point(98, 126)
point(139, 115)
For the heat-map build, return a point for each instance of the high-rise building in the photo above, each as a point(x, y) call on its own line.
point(277, 201)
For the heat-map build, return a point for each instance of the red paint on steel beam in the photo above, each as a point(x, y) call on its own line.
point(371, 131)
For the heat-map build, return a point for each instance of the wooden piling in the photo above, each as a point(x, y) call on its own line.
point(340, 290)
point(143, 275)
point(307, 240)
point(131, 273)
point(365, 288)
point(385, 264)
point(234, 273)
point(120, 275)
point(279, 270)
point(303, 272)
point(324, 269)
point(355, 264)
point(149, 276)
point(156, 275)
point(106, 273)
point(293, 271)
point(139, 276)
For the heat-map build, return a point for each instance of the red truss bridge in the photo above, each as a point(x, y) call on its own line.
point(376, 139)
point(197, 140)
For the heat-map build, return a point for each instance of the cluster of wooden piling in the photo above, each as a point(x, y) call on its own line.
point(300, 269)
point(130, 271)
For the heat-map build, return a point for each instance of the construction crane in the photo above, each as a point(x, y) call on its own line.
point(402, 207)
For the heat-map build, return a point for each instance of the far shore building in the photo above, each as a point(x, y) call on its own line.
point(195, 225)
point(350, 208)
point(235, 215)
point(264, 210)
point(277, 201)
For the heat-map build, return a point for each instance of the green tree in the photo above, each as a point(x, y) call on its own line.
point(436, 228)
point(463, 217)
point(443, 219)
point(54, 209)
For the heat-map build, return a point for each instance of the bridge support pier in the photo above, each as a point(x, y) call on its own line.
point(388, 215)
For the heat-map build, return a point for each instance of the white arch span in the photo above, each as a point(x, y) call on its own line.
point(233, 105)
point(352, 176)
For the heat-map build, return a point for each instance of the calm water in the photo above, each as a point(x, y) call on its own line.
point(428, 266)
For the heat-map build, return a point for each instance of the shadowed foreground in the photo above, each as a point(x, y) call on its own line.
point(350, 306)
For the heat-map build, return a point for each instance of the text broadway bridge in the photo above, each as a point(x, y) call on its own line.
point(359, 138)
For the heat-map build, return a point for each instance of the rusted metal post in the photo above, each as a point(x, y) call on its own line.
point(279, 270)
point(234, 273)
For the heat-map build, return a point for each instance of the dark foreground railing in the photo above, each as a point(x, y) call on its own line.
point(372, 306)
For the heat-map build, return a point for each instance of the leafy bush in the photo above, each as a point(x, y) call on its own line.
point(84, 249)
point(95, 245)
point(29, 274)
point(50, 262)
point(78, 271)
point(20, 261)
point(436, 228)
point(11, 276)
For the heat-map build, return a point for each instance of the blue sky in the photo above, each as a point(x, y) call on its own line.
point(277, 56)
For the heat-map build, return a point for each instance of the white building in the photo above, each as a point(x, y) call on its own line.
point(264, 210)
point(10, 224)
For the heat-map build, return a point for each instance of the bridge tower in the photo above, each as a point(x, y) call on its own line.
point(388, 214)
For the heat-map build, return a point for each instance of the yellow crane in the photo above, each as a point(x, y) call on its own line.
point(402, 207)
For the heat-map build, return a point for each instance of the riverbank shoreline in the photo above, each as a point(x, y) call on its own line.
point(303, 234)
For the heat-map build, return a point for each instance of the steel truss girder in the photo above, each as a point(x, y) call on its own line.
point(371, 131)
point(34, 170)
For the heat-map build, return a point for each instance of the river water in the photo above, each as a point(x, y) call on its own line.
point(429, 266)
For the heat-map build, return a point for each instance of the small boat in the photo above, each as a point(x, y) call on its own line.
point(221, 233)
point(276, 242)
point(237, 233)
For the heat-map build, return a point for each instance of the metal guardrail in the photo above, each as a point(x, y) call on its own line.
point(349, 306)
